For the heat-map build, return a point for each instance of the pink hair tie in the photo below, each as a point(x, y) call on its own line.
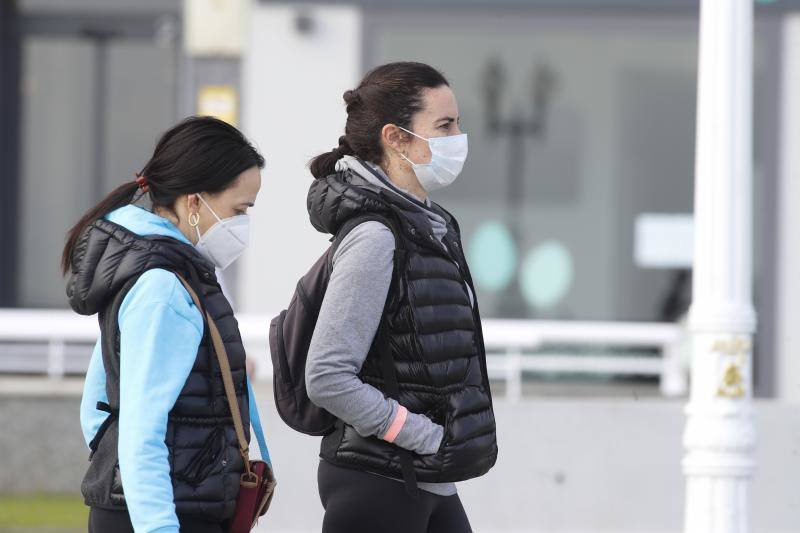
point(142, 181)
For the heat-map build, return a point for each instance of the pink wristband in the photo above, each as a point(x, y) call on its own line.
point(397, 424)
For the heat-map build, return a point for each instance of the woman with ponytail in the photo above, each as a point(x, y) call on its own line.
point(163, 449)
point(397, 354)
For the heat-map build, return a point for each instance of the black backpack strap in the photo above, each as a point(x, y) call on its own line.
point(354, 222)
point(387, 364)
point(399, 247)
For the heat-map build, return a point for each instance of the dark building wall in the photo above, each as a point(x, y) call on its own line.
point(9, 148)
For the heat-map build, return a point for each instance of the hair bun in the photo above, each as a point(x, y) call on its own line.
point(351, 96)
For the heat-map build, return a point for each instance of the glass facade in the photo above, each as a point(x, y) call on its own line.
point(93, 93)
point(578, 125)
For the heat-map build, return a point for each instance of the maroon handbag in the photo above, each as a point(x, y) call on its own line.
point(257, 484)
point(255, 495)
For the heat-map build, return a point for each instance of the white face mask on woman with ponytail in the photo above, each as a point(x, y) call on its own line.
point(224, 242)
point(218, 223)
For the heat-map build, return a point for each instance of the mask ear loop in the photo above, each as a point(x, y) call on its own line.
point(197, 219)
point(219, 220)
point(209, 207)
point(407, 159)
point(401, 154)
point(414, 134)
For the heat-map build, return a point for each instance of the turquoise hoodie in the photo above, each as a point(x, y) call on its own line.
point(160, 332)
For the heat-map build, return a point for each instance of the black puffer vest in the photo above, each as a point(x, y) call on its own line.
point(433, 335)
point(205, 464)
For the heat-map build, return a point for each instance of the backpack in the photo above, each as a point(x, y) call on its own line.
point(290, 337)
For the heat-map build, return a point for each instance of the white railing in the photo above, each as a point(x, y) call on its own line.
point(509, 343)
point(508, 340)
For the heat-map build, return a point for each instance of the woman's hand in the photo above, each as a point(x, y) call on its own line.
point(420, 434)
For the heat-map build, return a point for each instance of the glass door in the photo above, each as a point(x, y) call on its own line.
point(95, 94)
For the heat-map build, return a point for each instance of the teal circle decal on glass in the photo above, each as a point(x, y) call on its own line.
point(492, 256)
point(547, 275)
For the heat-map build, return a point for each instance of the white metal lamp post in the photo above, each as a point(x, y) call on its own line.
point(720, 437)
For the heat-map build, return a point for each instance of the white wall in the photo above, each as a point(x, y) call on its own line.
point(788, 246)
point(595, 465)
point(293, 110)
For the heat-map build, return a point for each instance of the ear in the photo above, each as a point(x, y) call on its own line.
point(394, 138)
point(192, 203)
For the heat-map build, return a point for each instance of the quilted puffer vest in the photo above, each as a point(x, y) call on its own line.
point(433, 334)
point(205, 464)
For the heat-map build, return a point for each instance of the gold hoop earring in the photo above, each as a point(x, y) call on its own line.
point(194, 219)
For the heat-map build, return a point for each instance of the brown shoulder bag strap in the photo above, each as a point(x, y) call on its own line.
point(227, 378)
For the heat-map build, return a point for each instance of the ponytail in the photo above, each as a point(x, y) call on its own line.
point(119, 197)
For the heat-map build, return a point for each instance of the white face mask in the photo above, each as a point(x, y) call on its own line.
point(448, 155)
point(225, 241)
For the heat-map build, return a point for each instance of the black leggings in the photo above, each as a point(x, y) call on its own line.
point(360, 502)
point(105, 521)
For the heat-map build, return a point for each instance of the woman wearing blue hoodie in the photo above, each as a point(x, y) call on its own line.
point(163, 449)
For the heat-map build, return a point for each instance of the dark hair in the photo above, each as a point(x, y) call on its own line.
point(200, 154)
point(388, 94)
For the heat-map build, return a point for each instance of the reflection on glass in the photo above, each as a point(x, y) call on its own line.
point(493, 256)
point(577, 125)
point(547, 275)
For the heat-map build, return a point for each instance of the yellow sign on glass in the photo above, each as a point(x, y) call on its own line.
point(220, 101)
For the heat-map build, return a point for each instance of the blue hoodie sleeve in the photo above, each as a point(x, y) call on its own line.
point(160, 331)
